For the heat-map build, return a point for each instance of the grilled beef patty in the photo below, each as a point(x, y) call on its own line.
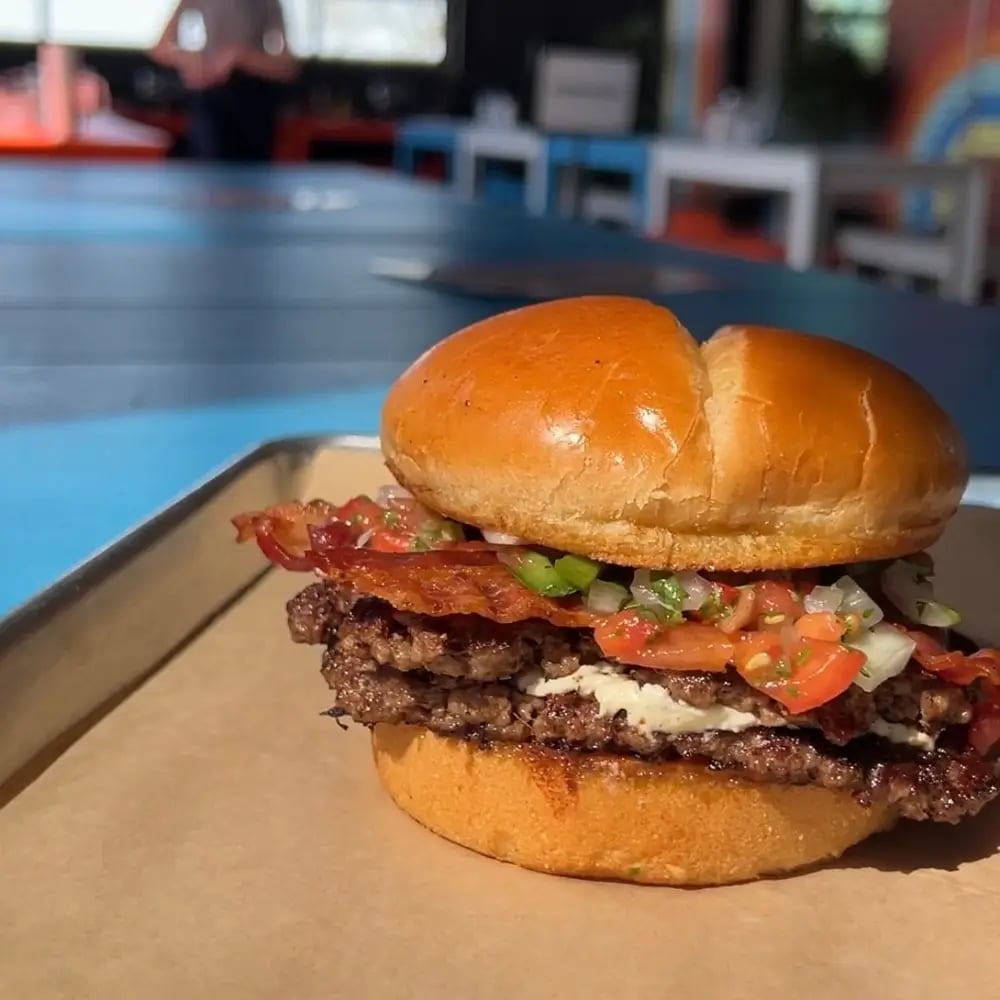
point(371, 634)
point(457, 676)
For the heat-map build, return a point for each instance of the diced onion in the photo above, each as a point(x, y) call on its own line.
point(697, 588)
point(857, 602)
point(887, 651)
point(605, 597)
point(499, 538)
point(642, 590)
point(391, 492)
point(907, 587)
point(823, 599)
point(937, 615)
point(364, 538)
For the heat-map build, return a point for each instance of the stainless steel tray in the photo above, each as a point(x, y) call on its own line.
point(73, 652)
point(69, 654)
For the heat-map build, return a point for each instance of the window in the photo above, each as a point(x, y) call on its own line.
point(299, 25)
point(378, 31)
point(126, 24)
point(383, 31)
point(863, 25)
point(19, 21)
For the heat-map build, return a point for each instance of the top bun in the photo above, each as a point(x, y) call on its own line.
point(597, 425)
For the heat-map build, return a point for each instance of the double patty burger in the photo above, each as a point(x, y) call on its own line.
point(640, 609)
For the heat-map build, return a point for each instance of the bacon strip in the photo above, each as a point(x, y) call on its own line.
point(954, 666)
point(282, 531)
point(454, 581)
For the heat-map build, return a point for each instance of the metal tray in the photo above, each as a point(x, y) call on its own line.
point(71, 653)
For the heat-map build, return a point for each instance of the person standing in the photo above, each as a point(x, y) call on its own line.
point(234, 61)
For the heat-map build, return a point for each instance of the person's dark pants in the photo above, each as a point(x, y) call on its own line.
point(235, 122)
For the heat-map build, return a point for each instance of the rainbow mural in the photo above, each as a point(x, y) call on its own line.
point(951, 110)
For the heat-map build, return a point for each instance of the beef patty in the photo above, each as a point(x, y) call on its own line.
point(371, 634)
point(457, 676)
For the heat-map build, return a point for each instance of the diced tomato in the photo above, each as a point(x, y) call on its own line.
point(406, 515)
point(741, 614)
point(823, 625)
point(390, 541)
point(752, 647)
point(689, 647)
point(777, 598)
point(800, 673)
point(624, 633)
point(361, 514)
point(632, 638)
point(984, 730)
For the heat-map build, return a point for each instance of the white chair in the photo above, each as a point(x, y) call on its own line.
point(956, 260)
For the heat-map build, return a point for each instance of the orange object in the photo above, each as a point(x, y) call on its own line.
point(706, 230)
point(296, 134)
point(37, 143)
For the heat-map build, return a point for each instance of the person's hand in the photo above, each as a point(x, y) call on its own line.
point(201, 70)
point(222, 64)
point(192, 68)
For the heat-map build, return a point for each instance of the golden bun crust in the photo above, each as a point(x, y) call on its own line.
point(604, 817)
point(597, 425)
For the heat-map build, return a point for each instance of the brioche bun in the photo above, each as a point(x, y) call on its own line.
point(597, 425)
point(606, 817)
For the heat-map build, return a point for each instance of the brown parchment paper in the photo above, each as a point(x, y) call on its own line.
point(215, 837)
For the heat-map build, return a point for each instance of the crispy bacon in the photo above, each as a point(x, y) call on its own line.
point(282, 531)
point(953, 665)
point(459, 580)
point(984, 730)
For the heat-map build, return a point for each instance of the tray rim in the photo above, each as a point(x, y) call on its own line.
point(31, 614)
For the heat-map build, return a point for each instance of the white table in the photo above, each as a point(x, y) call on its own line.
point(963, 245)
point(788, 170)
point(518, 144)
point(809, 177)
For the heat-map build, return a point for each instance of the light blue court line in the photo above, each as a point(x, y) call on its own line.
point(69, 489)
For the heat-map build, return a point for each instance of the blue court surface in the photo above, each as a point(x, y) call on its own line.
point(155, 322)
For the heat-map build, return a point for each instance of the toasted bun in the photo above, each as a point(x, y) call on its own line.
point(597, 425)
point(606, 817)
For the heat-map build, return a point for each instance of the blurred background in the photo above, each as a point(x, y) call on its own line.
point(868, 130)
point(230, 221)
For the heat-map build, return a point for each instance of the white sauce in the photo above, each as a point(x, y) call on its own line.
point(898, 733)
point(650, 709)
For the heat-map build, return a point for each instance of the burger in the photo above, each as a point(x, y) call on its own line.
point(633, 608)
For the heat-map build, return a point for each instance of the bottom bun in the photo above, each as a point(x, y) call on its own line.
point(605, 817)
